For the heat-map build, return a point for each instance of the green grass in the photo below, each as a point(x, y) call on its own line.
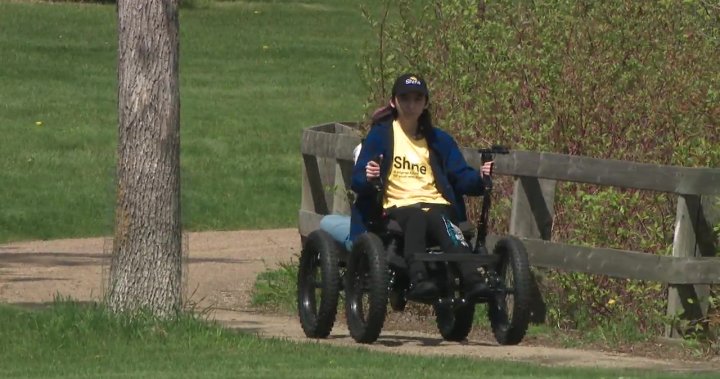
point(253, 75)
point(72, 340)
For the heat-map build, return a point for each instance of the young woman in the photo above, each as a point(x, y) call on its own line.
point(421, 176)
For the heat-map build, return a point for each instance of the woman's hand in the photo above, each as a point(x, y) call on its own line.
point(372, 170)
point(487, 168)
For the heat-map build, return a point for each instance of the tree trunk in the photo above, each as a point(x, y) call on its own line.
point(146, 266)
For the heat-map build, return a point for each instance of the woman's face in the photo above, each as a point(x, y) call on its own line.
point(410, 105)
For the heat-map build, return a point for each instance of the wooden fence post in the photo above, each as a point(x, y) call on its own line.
point(532, 217)
point(327, 167)
point(533, 207)
point(343, 173)
point(694, 237)
point(318, 174)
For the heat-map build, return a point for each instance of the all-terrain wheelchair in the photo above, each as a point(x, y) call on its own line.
point(375, 273)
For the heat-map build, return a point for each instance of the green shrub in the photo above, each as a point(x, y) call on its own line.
point(622, 79)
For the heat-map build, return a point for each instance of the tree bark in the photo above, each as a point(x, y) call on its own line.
point(146, 265)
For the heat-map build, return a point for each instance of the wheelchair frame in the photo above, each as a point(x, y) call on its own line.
point(374, 273)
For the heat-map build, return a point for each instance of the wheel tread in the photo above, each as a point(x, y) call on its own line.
point(511, 332)
point(317, 322)
point(367, 329)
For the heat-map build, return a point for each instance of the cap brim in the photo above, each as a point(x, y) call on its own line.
point(406, 90)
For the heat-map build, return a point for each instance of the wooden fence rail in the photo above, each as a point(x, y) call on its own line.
point(693, 266)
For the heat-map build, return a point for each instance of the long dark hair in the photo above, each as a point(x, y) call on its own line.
point(388, 113)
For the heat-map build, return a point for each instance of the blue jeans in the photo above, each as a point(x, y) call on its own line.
point(338, 226)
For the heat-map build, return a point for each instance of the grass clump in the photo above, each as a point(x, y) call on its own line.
point(276, 289)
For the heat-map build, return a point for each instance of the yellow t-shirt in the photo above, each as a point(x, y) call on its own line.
point(411, 179)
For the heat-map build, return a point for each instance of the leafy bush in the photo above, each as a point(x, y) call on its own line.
point(622, 79)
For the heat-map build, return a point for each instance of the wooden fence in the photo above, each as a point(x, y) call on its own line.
point(689, 272)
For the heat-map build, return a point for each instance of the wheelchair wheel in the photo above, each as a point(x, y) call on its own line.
point(366, 288)
point(318, 280)
point(453, 322)
point(509, 309)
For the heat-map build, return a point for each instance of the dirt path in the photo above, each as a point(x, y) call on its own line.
point(222, 270)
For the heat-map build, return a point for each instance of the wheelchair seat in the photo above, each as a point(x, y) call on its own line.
point(393, 236)
point(466, 227)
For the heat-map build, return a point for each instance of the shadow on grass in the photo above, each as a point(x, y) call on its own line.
point(48, 304)
point(32, 279)
point(52, 259)
point(49, 259)
point(396, 340)
point(101, 2)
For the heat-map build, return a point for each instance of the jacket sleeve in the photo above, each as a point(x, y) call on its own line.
point(464, 179)
point(371, 148)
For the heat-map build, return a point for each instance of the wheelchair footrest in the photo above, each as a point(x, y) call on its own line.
point(483, 259)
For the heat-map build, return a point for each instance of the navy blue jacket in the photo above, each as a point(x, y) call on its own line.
point(453, 176)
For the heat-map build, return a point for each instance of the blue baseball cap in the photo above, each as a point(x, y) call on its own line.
point(408, 83)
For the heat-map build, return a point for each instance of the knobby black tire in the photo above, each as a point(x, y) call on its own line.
point(453, 323)
point(367, 274)
point(509, 328)
point(320, 253)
